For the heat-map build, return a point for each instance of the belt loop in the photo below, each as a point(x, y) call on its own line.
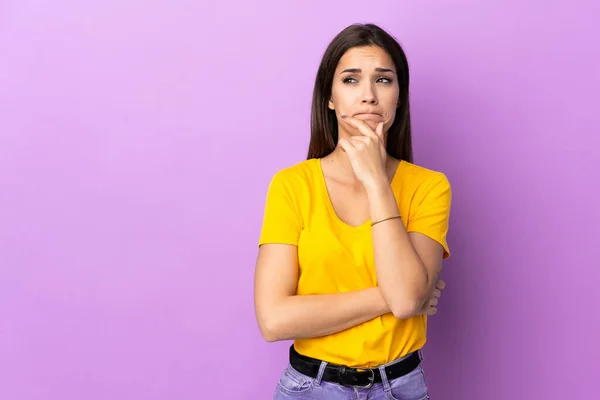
point(319, 377)
point(384, 379)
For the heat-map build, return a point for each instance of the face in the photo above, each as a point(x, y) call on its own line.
point(365, 86)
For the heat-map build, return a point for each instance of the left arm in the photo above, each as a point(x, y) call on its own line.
point(408, 265)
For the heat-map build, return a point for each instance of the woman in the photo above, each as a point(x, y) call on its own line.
point(353, 238)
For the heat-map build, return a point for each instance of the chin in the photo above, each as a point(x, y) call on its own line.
point(372, 123)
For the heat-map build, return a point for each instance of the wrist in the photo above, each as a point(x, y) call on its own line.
point(377, 187)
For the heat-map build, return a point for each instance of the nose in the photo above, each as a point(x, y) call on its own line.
point(369, 95)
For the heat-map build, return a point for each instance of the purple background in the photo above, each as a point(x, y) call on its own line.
point(137, 139)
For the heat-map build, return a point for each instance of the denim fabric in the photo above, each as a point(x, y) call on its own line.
point(294, 385)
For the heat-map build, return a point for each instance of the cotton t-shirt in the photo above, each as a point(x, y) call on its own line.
point(335, 257)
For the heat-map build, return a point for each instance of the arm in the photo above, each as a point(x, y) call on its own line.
point(283, 315)
point(407, 264)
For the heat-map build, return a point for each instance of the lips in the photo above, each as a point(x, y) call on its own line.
point(373, 116)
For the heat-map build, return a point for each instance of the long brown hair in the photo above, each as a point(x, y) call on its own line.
point(323, 124)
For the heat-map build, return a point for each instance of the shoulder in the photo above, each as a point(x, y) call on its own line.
point(293, 186)
point(417, 176)
point(296, 176)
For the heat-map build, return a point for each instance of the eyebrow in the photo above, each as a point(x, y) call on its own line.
point(358, 70)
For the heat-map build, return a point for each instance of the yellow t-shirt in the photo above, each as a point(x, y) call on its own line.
point(335, 257)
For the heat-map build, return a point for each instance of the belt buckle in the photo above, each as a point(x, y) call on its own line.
point(371, 378)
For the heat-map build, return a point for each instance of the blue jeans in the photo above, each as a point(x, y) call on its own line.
point(294, 385)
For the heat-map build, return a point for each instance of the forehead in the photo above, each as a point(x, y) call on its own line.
point(369, 57)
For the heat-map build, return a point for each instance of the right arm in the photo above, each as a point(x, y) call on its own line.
point(283, 315)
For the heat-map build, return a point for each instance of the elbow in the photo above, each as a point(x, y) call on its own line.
point(405, 308)
point(402, 305)
point(269, 330)
point(268, 336)
point(409, 305)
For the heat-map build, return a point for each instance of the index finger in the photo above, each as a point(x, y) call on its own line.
point(440, 284)
point(361, 125)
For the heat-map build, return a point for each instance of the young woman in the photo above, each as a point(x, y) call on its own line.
point(353, 238)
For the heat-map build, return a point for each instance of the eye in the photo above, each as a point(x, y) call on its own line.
point(385, 79)
point(349, 79)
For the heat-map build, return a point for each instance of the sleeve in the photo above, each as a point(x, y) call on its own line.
point(432, 214)
point(281, 220)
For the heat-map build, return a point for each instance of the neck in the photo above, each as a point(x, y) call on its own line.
point(342, 168)
point(342, 162)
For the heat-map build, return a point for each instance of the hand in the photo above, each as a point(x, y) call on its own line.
point(367, 153)
point(430, 306)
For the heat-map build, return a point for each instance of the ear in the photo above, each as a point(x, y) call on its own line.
point(331, 105)
point(398, 104)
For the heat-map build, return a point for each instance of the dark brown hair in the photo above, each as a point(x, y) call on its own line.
point(323, 124)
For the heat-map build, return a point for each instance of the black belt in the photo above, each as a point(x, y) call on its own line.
point(347, 376)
